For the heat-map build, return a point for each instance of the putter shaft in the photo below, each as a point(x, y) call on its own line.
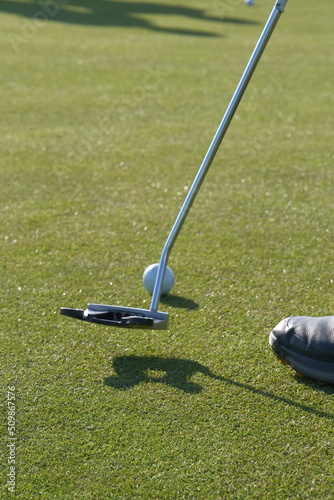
point(128, 317)
point(236, 98)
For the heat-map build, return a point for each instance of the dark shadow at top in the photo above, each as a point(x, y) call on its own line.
point(175, 372)
point(111, 13)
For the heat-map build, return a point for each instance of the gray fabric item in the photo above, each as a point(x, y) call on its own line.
point(307, 345)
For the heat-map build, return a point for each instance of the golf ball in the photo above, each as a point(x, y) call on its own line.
point(249, 2)
point(149, 277)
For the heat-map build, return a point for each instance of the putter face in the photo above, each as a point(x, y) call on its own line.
point(122, 317)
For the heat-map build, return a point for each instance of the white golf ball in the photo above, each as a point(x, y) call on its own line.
point(149, 277)
point(249, 2)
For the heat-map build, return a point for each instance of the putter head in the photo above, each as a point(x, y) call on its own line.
point(123, 317)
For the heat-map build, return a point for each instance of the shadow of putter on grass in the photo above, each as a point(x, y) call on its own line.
point(175, 372)
point(132, 370)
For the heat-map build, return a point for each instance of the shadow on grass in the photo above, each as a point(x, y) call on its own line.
point(132, 370)
point(318, 386)
point(112, 13)
point(175, 372)
point(179, 302)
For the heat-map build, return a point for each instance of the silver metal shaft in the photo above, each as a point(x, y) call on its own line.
point(260, 46)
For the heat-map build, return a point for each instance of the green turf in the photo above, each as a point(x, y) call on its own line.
point(107, 109)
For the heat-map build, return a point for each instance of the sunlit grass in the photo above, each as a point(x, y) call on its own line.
point(107, 111)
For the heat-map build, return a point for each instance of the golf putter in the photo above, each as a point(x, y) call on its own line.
point(128, 317)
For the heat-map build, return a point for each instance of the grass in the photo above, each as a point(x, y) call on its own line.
point(107, 111)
